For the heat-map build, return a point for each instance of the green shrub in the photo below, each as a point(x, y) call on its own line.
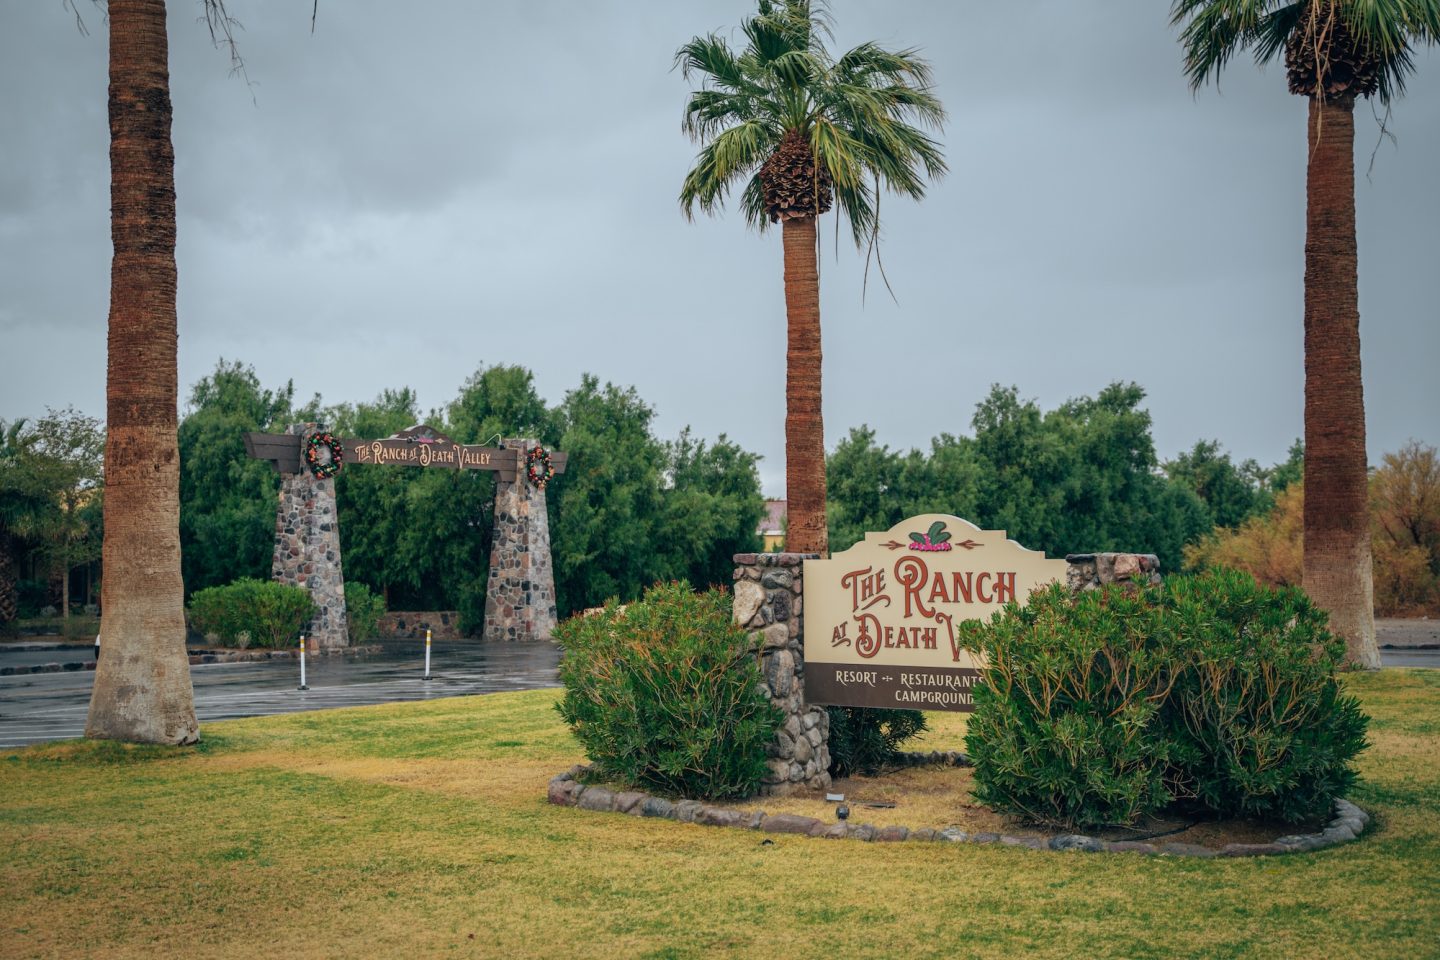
point(1258, 723)
point(363, 610)
point(864, 740)
point(270, 614)
point(1063, 730)
point(667, 694)
point(1207, 694)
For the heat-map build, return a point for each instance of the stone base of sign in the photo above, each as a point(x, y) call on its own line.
point(1090, 571)
point(410, 625)
point(520, 596)
point(568, 790)
point(307, 548)
point(769, 602)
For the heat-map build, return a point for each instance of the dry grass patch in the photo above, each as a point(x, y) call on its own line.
point(421, 830)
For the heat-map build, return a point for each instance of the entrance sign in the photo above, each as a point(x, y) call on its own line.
point(419, 446)
point(881, 619)
point(520, 591)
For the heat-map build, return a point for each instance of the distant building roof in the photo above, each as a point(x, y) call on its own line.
point(772, 524)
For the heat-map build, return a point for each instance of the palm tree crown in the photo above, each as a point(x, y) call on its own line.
point(1333, 49)
point(802, 125)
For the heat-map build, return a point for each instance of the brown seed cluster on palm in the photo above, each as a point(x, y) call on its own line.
point(794, 188)
point(1326, 60)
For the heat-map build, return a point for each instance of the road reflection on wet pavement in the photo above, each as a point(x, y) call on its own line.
point(51, 706)
point(36, 707)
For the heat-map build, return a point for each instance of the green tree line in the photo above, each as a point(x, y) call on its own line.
point(632, 509)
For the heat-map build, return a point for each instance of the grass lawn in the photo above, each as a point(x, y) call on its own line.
point(421, 830)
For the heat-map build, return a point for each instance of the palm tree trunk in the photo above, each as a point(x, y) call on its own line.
point(804, 427)
point(142, 682)
point(1337, 560)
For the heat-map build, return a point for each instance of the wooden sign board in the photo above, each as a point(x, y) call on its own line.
point(419, 446)
point(880, 618)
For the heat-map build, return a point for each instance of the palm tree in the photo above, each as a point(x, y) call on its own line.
point(142, 682)
point(807, 130)
point(1335, 51)
point(21, 506)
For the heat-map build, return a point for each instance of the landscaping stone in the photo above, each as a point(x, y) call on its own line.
point(1186, 850)
point(892, 834)
point(597, 798)
point(1077, 841)
point(788, 823)
point(657, 807)
point(1130, 846)
point(628, 801)
point(718, 817)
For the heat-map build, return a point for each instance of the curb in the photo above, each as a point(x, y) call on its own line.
point(566, 790)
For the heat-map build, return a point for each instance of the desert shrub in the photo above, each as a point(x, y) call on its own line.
point(1256, 720)
point(667, 694)
point(1209, 693)
point(363, 610)
point(272, 614)
point(864, 740)
point(1064, 729)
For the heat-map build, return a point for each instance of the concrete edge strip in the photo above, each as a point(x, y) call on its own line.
point(566, 790)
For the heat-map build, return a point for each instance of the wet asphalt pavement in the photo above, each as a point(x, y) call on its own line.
point(36, 707)
point(51, 706)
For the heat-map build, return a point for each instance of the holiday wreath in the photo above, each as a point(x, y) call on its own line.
point(319, 466)
point(538, 467)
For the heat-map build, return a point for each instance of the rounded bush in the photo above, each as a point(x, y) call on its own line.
point(666, 693)
point(271, 614)
point(1207, 694)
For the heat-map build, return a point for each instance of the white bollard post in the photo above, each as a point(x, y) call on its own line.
point(427, 654)
point(303, 685)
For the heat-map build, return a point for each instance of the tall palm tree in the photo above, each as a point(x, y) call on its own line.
point(1335, 51)
point(142, 682)
point(21, 505)
point(807, 130)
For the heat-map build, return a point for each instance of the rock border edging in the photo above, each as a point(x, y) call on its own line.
point(566, 790)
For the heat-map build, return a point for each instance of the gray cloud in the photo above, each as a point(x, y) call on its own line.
point(496, 183)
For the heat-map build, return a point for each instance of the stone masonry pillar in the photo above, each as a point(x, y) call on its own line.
point(520, 595)
point(307, 548)
point(769, 601)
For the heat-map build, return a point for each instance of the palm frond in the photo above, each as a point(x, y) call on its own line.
point(731, 155)
point(1215, 30)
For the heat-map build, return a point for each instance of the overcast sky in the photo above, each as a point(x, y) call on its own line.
point(401, 198)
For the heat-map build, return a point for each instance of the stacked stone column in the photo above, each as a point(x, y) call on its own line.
point(1091, 571)
point(307, 548)
point(520, 596)
point(769, 602)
